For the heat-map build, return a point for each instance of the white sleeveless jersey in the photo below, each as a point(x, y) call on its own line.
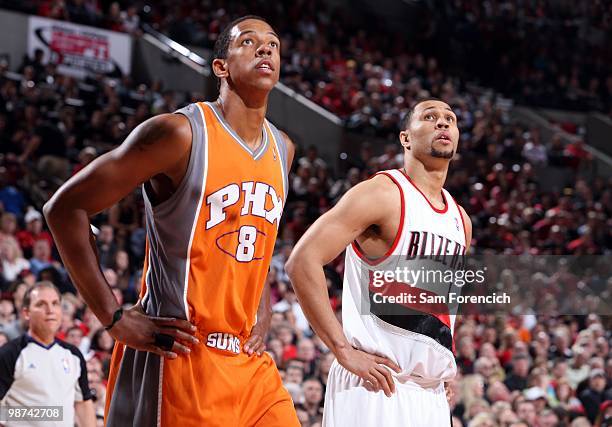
point(418, 337)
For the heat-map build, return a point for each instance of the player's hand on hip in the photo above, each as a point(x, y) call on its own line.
point(165, 336)
point(257, 340)
point(450, 392)
point(373, 369)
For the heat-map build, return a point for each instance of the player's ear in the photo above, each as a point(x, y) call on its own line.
point(219, 67)
point(404, 139)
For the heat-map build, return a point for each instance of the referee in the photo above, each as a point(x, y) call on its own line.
point(38, 370)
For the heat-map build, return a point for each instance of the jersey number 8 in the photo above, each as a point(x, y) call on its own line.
point(246, 243)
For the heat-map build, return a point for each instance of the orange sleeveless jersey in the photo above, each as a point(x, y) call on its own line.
point(208, 250)
point(236, 228)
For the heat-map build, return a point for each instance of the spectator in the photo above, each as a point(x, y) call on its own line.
point(498, 392)
point(41, 257)
point(325, 366)
point(484, 367)
point(74, 336)
point(565, 398)
point(102, 344)
point(39, 350)
point(13, 262)
point(596, 393)
point(107, 248)
point(9, 323)
point(313, 399)
point(47, 147)
point(306, 353)
point(294, 372)
point(466, 355)
point(517, 380)
point(130, 20)
point(526, 412)
point(8, 226)
point(33, 232)
point(10, 196)
point(122, 270)
point(78, 12)
point(124, 218)
point(547, 418)
point(289, 303)
point(578, 369)
point(537, 396)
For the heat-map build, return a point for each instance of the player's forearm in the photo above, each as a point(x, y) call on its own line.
point(71, 230)
point(264, 311)
point(309, 282)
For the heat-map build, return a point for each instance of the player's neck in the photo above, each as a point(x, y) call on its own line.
point(245, 118)
point(42, 337)
point(429, 180)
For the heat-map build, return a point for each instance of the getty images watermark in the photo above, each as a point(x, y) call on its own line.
point(425, 280)
point(489, 284)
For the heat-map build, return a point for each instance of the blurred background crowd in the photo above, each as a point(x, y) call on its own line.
point(529, 370)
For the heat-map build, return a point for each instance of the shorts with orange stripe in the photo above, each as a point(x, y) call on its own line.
point(208, 387)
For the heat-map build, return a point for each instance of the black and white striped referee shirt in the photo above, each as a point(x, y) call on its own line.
point(32, 374)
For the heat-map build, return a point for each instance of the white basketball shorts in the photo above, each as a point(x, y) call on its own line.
point(349, 404)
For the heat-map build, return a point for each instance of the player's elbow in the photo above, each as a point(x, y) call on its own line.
point(53, 211)
point(291, 266)
point(50, 210)
point(296, 265)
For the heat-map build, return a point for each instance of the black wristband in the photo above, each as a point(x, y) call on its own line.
point(116, 317)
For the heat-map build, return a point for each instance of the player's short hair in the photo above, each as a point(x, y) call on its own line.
point(27, 297)
point(223, 41)
point(410, 111)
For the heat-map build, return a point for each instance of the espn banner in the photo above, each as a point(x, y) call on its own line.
point(80, 50)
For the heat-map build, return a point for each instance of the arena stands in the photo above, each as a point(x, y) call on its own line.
point(541, 370)
point(368, 78)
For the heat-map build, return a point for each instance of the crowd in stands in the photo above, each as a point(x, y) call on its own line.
point(529, 370)
point(368, 78)
point(547, 53)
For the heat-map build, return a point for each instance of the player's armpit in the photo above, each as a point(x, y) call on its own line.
point(364, 205)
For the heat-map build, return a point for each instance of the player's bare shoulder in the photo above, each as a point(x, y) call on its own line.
point(167, 130)
point(378, 192)
point(374, 201)
point(161, 144)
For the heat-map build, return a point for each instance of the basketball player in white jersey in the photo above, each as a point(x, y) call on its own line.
point(389, 369)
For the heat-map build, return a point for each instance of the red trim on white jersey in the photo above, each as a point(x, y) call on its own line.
point(397, 235)
point(440, 211)
point(462, 222)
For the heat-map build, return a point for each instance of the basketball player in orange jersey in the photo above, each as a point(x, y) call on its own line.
point(388, 367)
point(214, 181)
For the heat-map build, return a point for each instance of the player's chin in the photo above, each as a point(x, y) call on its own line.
point(442, 153)
point(264, 81)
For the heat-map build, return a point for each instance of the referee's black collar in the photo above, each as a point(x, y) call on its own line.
point(29, 338)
